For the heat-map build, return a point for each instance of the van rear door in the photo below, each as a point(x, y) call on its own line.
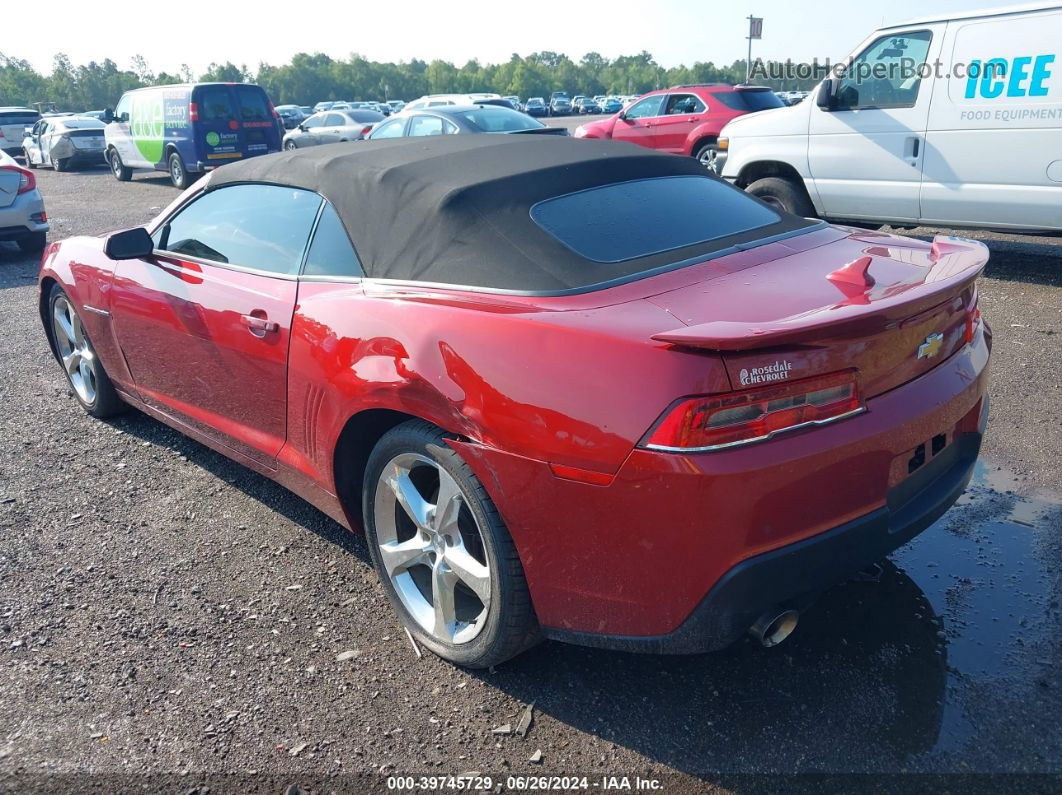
point(260, 128)
point(216, 126)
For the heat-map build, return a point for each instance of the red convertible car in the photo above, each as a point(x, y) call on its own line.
point(575, 390)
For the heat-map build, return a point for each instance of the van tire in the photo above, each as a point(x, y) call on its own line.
point(179, 175)
point(121, 172)
point(783, 194)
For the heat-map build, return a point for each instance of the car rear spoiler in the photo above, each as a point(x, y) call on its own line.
point(953, 264)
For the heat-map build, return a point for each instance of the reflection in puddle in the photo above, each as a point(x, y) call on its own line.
point(983, 570)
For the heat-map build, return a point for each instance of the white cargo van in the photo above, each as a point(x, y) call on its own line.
point(972, 138)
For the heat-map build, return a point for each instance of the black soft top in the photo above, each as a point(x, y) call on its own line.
point(456, 209)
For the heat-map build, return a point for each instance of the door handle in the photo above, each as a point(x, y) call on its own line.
point(259, 326)
point(912, 147)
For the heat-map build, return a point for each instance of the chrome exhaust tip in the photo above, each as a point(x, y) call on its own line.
point(774, 626)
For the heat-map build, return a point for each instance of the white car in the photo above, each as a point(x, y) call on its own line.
point(441, 100)
point(22, 217)
point(14, 122)
point(63, 142)
point(951, 121)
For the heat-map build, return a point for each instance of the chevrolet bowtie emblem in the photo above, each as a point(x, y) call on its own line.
point(931, 347)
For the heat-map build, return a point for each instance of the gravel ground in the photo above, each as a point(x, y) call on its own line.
point(170, 620)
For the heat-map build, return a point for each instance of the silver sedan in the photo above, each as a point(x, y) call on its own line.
point(64, 141)
point(331, 127)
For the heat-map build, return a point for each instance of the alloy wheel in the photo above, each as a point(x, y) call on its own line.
point(709, 158)
point(75, 350)
point(431, 548)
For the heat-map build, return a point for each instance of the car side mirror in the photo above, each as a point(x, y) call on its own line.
point(302, 127)
point(108, 115)
point(622, 115)
point(827, 96)
point(130, 244)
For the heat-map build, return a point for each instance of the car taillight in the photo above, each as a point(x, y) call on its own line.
point(26, 179)
point(273, 111)
point(366, 130)
point(719, 421)
point(193, 112)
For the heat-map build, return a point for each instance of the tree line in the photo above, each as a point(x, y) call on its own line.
point(309, 78)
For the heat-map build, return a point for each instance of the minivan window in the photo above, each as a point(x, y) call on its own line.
point(748, 101)
point(642, 217)
point(264, 227)
point(215, 104)
point(886, 74)
point(330, 252)
point(18, 117)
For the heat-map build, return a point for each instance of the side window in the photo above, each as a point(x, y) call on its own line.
point(314, 121)
point(215, 104)
point(256, 226)
point(886, 74)
point(121, 113)
point(334, 120)
point(330, 252)
point(425, 125)
point(681, 104)
point(389, 129)
point(645, 109)
point(449, 128)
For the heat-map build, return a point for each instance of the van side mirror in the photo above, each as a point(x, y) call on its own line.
point(827, 96)
point(108, 115)
point(130, 244)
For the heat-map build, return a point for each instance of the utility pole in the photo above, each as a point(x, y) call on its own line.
point(755, 32)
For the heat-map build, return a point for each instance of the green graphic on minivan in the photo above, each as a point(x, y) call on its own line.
point(147, 123)
point(212, 138)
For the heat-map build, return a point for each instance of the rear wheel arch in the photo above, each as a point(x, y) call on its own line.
point(355, 444)
point(700, 140)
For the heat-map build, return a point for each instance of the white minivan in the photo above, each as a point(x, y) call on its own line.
point(954, 120)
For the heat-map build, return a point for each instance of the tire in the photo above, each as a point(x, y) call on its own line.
point(179, 175)
point(290, 145)
point(121, 172)
point(84, 372)
point(26, 157)
point(33, 243)
point(706, 155)
point(61, 163)
point(783, 194)
point(415, 455)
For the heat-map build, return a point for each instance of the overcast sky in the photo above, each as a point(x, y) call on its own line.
point(677, 32)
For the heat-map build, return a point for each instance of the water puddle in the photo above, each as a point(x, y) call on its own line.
point(984, 569)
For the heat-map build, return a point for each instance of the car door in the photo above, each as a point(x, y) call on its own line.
point(635, 124)
point(680, 115)
point(332, 130)
point(865, 153)
point(204, 323)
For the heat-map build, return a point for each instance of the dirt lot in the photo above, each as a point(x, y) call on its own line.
point(164, 611)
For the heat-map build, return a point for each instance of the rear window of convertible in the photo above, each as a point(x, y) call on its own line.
point(640, 218)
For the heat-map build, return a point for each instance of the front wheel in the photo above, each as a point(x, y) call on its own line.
point(121, 172)
point(783, 194)
point(442, 552)
point(84, 371)
point(291, 146)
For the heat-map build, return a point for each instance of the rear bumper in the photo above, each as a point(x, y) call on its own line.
point(793, 574)
point(21, 217)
